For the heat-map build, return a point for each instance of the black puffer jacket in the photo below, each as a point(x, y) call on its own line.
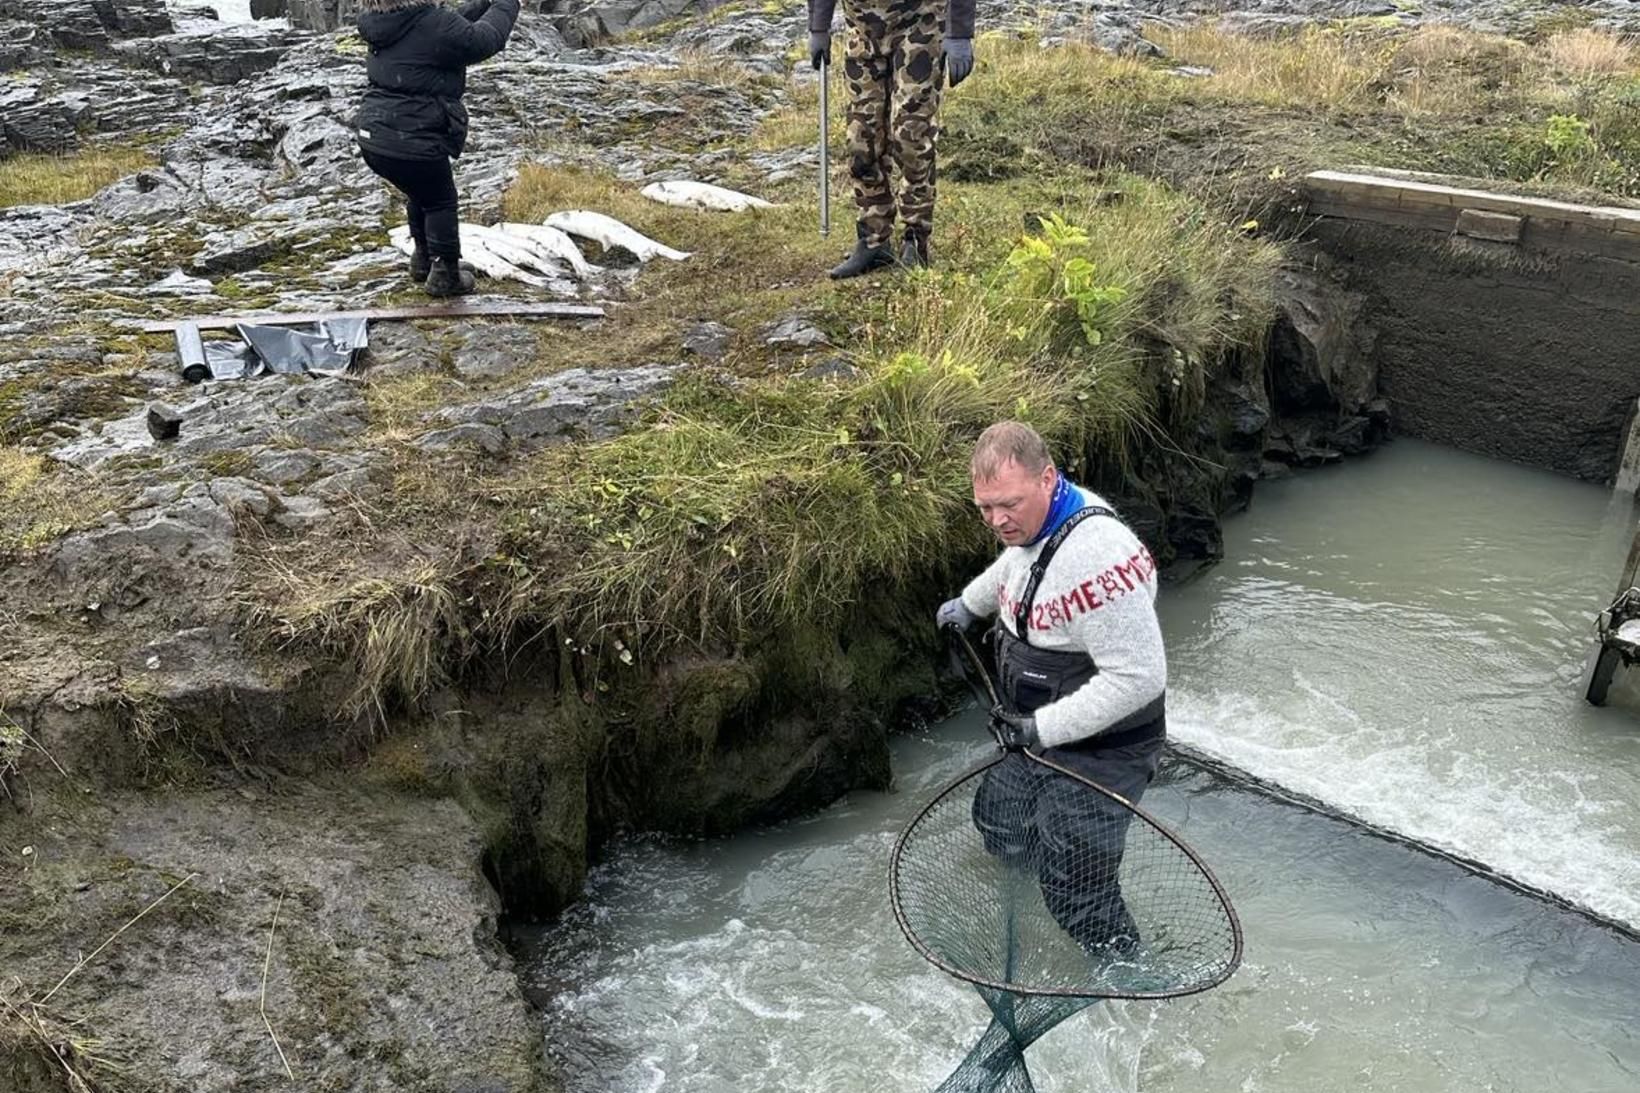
point(419, 53)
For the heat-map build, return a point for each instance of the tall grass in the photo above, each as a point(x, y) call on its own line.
point(37, 179)
point(1589, 52)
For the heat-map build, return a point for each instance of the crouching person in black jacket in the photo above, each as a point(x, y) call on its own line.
point(412, 121)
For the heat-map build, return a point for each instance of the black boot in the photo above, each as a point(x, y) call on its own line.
point(419, 264)
point(447, 278)
point(864, 259)
point(914, 255)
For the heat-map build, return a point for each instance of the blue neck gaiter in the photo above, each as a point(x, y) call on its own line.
point(1067, 500)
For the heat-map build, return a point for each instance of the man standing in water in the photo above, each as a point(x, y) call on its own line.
point(894, 66)
point(1081, 672)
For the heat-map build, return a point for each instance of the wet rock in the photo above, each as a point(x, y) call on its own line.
point(238, 250)
point(281, 468)
point(91, 24)
point(240, 494)
point(270, 9)
point(32, 120)
point(302, 514)
point(485, 438)
point(1247, 409)
point(1119, 33)
point(223, 54)
point(1353, 437)
point(708, 340)
point(1321, 353)
point(577, 403)
point(596, 23)
point(399, 349)
point(835, 369)
point(178, 283)
point(147, 197)
point(163, 422)
point(495, 349)
point(794, 333)
point(344, 486)
point(322, 15)
point(21, 46)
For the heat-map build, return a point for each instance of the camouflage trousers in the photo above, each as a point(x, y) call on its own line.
point(894, 65)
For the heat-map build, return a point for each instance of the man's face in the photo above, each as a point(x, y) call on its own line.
point(1015, 502)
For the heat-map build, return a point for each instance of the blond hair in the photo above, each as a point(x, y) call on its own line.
point(1004, 442)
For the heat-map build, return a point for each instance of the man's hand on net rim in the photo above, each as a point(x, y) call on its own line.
point(1014, 731)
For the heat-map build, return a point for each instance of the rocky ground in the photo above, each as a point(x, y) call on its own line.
point(131, 651)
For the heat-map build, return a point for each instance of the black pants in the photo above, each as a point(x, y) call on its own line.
point(429, 189)
point(1071, 837)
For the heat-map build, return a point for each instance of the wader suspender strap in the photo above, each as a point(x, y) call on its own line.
point(1022, 611)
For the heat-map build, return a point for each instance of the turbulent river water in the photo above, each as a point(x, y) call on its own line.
point(1404, 638)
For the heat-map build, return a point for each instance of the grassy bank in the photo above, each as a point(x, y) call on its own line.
point(1240, 116)
point(754, 498)
point(39, 179)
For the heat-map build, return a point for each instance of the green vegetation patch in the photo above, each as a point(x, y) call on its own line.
point(38, 179)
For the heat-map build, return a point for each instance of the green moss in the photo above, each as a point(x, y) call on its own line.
point(227, 464)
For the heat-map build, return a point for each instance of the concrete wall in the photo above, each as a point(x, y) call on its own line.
point(1518, 349)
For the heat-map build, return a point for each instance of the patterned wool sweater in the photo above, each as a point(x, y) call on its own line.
point(1098, 596)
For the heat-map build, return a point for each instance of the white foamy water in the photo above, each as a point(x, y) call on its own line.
point(228, 11)
point(1405, 638)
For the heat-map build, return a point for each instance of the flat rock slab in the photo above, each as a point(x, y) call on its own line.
point(384, 973)
point(495, 349)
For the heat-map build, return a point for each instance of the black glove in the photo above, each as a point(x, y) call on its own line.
point(959, 59)
point(819, 48)
point(1014, 731)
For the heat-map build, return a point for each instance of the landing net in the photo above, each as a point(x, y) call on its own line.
point(1049, 892)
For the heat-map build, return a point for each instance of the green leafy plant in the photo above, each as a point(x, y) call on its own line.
point(1569, 138)
point(1053, 293)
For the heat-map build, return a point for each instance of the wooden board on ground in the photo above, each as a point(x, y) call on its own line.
point(476, 309)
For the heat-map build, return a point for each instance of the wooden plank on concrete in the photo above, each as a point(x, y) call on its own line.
point(1497, 227)
point(480, 309)
point(1413, 192)
point(1440, 220)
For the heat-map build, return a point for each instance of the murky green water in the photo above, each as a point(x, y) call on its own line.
point(1403, 637)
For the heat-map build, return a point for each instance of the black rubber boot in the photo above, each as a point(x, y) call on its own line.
point(914, 255)
point(419, 265)
point(864, 259)
point(447, 278)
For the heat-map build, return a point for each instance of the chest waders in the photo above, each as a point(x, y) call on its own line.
point(1029, 678)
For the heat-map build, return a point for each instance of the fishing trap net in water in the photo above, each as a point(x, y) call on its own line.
point(1048, 893)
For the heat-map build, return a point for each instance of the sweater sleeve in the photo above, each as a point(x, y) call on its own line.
point(1123, 636)
point(959, 19)
point(464, 43)
point(473, 9)
point(980, 595)
point(820, 14)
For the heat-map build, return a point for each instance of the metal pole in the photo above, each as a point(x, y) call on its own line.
point(825, 147)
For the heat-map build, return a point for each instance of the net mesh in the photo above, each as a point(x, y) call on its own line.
point(1048, 893)
point(1027, 878)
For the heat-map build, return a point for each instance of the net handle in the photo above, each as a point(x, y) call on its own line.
point(971, 666)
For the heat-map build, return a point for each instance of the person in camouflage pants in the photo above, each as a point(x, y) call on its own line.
point(894, 65)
